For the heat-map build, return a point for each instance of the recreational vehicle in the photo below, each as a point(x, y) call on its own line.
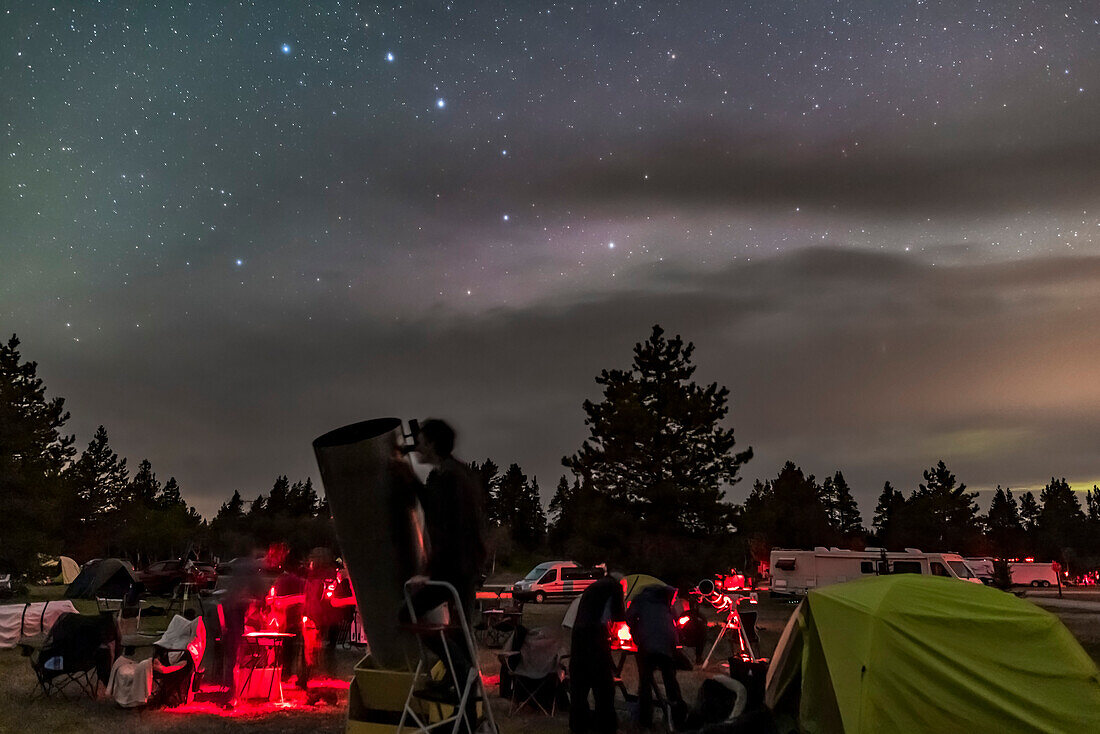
point(797, 571)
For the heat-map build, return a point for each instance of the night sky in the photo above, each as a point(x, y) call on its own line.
point(227, 230)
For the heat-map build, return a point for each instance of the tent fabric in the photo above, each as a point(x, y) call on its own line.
point(109, 577)
point(928, 654)
point(69, 570)
point(27, 620)
point(634, 583)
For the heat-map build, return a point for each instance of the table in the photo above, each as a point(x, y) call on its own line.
point(499, 625)
point(262, 656)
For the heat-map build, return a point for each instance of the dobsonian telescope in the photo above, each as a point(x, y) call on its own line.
point(367, 480)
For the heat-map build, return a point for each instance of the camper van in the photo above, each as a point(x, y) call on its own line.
point(555, 579)
point(797, 571)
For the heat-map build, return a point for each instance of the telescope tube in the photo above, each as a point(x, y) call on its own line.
point(367, 483)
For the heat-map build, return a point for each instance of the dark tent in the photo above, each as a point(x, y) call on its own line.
point(110, 578)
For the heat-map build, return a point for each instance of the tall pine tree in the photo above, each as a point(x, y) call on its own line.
point(656, 447)
point(33, 455)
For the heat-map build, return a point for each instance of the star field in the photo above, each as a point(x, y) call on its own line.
point(245, 170)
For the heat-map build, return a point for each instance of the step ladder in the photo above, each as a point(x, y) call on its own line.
point(462, 695)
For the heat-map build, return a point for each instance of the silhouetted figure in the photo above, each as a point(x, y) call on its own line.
point(454, 519)
point(590, 665)
point(653, 628)
point(245, 589)
point(320, 629)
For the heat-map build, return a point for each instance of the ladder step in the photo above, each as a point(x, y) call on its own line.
point(444, 695)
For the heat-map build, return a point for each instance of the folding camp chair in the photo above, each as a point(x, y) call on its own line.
point(531, 673)
point(177, 656)
point(76, 648)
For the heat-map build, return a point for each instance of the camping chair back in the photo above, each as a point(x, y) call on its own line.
point(177, 657)
point(533, 666)
point(76, 648)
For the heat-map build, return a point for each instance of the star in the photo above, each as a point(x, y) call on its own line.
point(286, 48)
point(505, 217)
point(390, 57)
point(440, 103)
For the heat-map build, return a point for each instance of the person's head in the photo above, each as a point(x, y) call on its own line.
point(434, 441)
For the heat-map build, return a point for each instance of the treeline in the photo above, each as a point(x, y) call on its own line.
point(795, 511)
point(89, 506)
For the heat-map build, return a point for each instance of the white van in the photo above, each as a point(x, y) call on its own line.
point(797, 571)
point(555, 579)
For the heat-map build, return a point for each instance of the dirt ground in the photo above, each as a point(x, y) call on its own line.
point(18, 713)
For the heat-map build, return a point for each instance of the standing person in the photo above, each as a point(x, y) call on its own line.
point(653, 628)
point(320, 617)
point(246, 590)
point(454, 516)
point(590, 664)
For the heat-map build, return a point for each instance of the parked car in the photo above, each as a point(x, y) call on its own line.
point(555, 579)
point(5, 585)
point(163, 577)
point(233, 565)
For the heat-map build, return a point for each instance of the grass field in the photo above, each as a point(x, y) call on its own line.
point(18, 713)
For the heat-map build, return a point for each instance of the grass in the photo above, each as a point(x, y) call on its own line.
point(19, 714)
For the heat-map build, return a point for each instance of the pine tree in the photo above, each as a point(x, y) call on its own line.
point(889, 507)
point(144, 487)
point(510, 490)
point(560, 500)
point(277, 501)
point(841, 506)
point(99, 480)
point(1092, 503)
point(1029, 512)
point(489, 475)
point(33, 456)
point(940, 514)
point(656, 448)
point(169, 496)
point(529, 525)
point(787, 512)
point(1061, 522)
point(1003, 523)
point(232, 509)
point(849, 523)
point(302, 499)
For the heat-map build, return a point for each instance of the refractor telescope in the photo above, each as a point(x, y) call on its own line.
point(727, 603)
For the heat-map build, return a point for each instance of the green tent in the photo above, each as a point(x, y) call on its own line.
point(635, 582)
point(911, 653)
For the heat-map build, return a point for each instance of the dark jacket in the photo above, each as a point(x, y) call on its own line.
point(601, 603)
point(452, 500)
point(651, 622)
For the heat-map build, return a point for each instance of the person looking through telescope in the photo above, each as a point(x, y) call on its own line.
point(454, 515)
point(454, 520)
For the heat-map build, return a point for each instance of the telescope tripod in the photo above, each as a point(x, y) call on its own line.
point(733, 620)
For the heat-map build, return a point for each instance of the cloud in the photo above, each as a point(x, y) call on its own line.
point(869, 363)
